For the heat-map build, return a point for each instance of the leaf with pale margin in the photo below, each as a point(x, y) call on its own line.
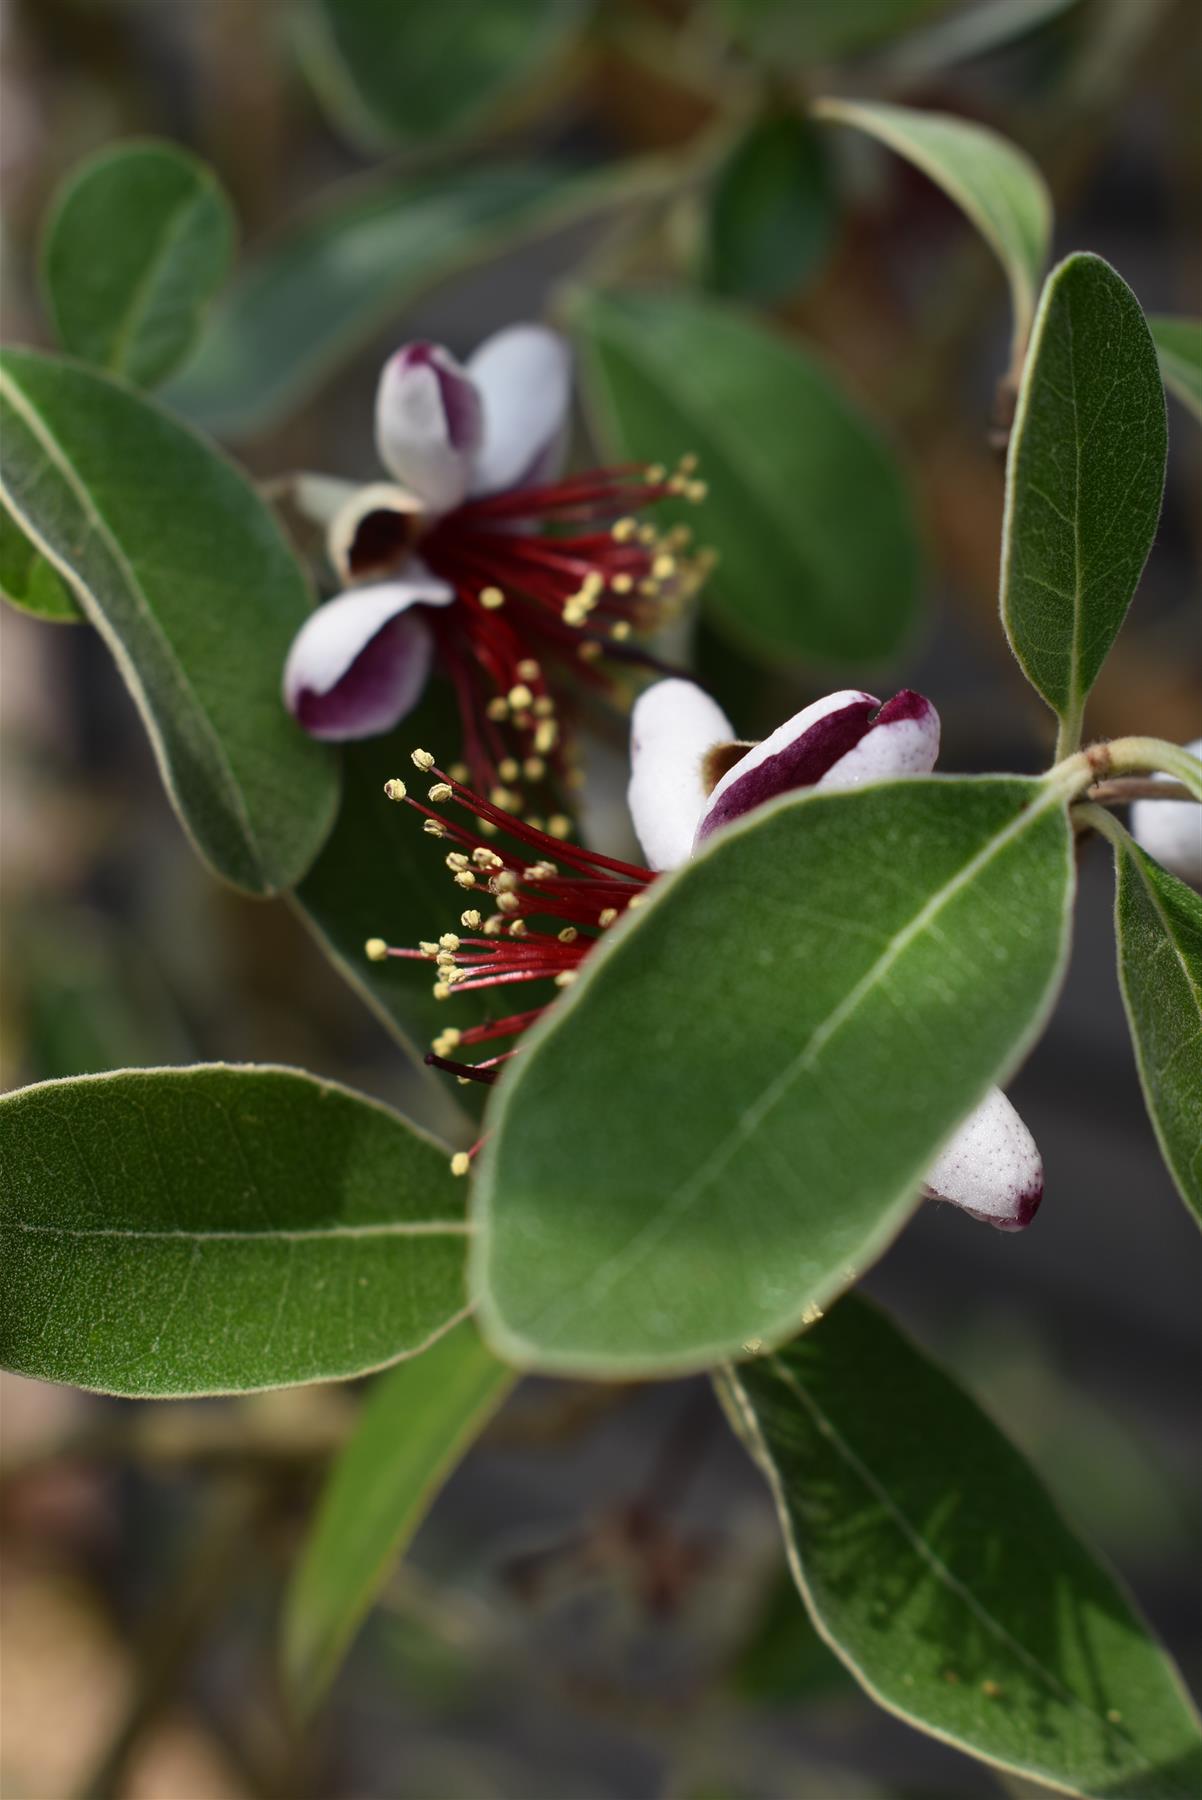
point(1084, 480)
point(184, 572)
point(994, 183)
point(417, 1423)
point(936, 1565)
point(729, 1115)
point(1158, 929)
point(28, 582)
point(807, 509)
point(138, 241)
point(1179, 346)
point(437, 74)
point(336, 277)
point(219, 1229)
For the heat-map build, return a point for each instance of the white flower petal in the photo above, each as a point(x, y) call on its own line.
point(429, 423)
point(991, 1167)
point(672, 727)
point(360, 662)
point(371, 536)
point(902, 740)
point(524, 375)
point(797, 754)
point(1171, 830)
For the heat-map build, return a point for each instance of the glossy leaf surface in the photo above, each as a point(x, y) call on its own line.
point(417, 1422)
point(1084, 479)
point(818, 555)
point(729, 1115)
point(216, 1229)
point(936, 1565)
point(183, 570)
point(138, 242)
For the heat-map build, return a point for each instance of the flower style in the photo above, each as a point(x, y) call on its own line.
point(446, 562)
point(1171, 830)
point(689, 778)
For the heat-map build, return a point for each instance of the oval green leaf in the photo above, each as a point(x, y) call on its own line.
point(137, 243)
point(1179, 346)
point(438, 71)
point(729, 1114)
point(1158, 928)
point(218, 1229)
point(994, 183)
point(936, 1565)
point(27, 580)
point(184, 572)
point(818, 554)
point(772, 210)
point(779, 31)
point(417, 1423)
point(333, 280)
point(1084, 480)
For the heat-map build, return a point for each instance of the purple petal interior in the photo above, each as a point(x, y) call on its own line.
point(799, 765)
point(382, 684)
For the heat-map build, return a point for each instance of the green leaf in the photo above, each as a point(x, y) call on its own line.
point(186, 575)
point(818, 555)
point(772, 210)
point(334, 279)
point(823, 29)
point(216, 1229)
point(992, 181)
point(971, 32)
point(138, 241)
point(1084, 481)
point(27, 580)
point(730, 1113)
point(936, 1565)
point(1179, 346)
point(418, 1422)
point(443, 69)
point(1158, 927)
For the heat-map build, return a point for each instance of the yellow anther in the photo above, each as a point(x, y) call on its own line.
point(590, 651)
point(494, 925)
point(427, 947)
point(608, 916)
point(520, 696)
point(575, 610)
point(518, 928)
point(435, 827)
point(465, 879)
point(663, 566)
point(497, 709)
point(508, 903)
point(559, 825)
point(395, 789)
point(593, 584)
point(461, 1162)
point(375, 949)
point(534, 820)
point(442, 790)
point(648, 535)
point(566, 977)
point(635, 900)
point(448, 941)
point(544, 707)
point(568, 935)
point(688, 462)
point(485, 858)
point(534, 768)
point(457, 860)
point(459, 771)
point(504, 883)
point(506, 798)
point(441, 991)
point(654, 473)
point(620, 630)
point(470, 920)
point(623, 530)
point(422, 760)
point(528, 669)
point(446, 1041)
point(541, 871)
point(509, 769)
point(491, 598)
point(622, 584)
point(696, 491)
point(545, 734)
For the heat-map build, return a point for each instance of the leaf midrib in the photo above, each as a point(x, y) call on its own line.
point(290, 1235)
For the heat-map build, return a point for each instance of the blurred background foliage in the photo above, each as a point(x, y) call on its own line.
point(597, 1605)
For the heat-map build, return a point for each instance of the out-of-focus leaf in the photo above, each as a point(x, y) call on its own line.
point(934, 1562)
point(785, 1662)
point(1084, 481)
point(990, 179)
point(390, 76)
point(772, 210)
point(332, 280)
point(219, 1229)
point(818, 555)
point(138, 241)
point(1158, 927)
point(730, 1113)
point(808, 31)
point(184, 572)
point(1179, 347)
point(27, 580)
point(417, 1423)
point(970, 31)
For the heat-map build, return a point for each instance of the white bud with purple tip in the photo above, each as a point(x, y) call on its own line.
point(429, 424)
point(1171, 830)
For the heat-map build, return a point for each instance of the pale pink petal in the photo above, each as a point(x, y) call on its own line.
point(673, 725)
point(360, 662)
point(524, 375)
point(429, 424)
point(1171, 830)
point(991, 1167)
